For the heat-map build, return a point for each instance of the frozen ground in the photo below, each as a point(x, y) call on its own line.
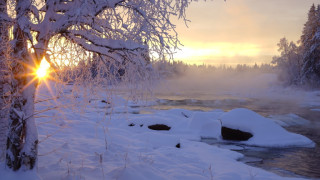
point(90, 143)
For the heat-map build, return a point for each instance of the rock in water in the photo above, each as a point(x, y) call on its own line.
point(159, 127)
point(234, 134)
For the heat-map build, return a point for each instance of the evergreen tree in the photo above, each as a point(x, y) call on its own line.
point(311, 47)
point(309, 28)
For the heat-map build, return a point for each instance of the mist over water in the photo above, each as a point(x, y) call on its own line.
point(230, 84)
point(219, 83)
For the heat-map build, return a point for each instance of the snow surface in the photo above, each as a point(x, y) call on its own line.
point(91, 143)
point(289, 120)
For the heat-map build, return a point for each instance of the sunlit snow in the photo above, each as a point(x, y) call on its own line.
point(88, 144)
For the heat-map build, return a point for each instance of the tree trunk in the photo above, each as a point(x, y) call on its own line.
point(22, 141)
point(5, 76)
point(4, 104)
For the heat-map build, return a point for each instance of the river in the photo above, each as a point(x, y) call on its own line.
point(299, 114)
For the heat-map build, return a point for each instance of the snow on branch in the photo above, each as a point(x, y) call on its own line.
point(112, 25)
point(115, 53)
point(109, 44)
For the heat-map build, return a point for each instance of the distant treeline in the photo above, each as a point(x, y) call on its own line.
point(300, 62)
point(179, 68)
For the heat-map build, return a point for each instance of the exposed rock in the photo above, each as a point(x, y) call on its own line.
point(159, 127)
point(178, 145)
point(104, 101)
point(234, 134)
point(132, 124)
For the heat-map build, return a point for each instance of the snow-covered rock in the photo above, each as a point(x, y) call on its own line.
point(206, 124)
point(265, 131)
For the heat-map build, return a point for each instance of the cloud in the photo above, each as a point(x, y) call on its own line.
point(223, 53)
point(229, 61)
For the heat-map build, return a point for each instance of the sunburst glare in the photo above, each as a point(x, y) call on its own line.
point(42, 71)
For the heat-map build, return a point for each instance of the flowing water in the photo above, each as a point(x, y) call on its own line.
point(301, 119)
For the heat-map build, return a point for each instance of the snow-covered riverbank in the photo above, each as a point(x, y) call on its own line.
point(89, 143)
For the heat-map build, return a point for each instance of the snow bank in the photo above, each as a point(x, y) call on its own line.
point(265, 132)
point(89, 148)
point(6, 174)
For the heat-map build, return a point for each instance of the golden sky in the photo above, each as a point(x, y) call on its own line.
point(239, 31)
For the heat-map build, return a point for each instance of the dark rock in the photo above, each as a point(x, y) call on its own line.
point(234, 134)
point(104, 101)
point(141, 125)
point(131, 124)
point(178, 145)
point(159, 127)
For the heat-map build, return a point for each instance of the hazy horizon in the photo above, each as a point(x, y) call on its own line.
point(239, 32)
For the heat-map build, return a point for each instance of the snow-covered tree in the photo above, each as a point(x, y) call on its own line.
point(310, 40)
point(289, 62)
point(309, 28)
point(115, 31)
point(300, 64)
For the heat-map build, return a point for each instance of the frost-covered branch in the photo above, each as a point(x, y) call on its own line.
point(114, 25)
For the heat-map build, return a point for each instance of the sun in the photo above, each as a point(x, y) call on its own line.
point(42, 71)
